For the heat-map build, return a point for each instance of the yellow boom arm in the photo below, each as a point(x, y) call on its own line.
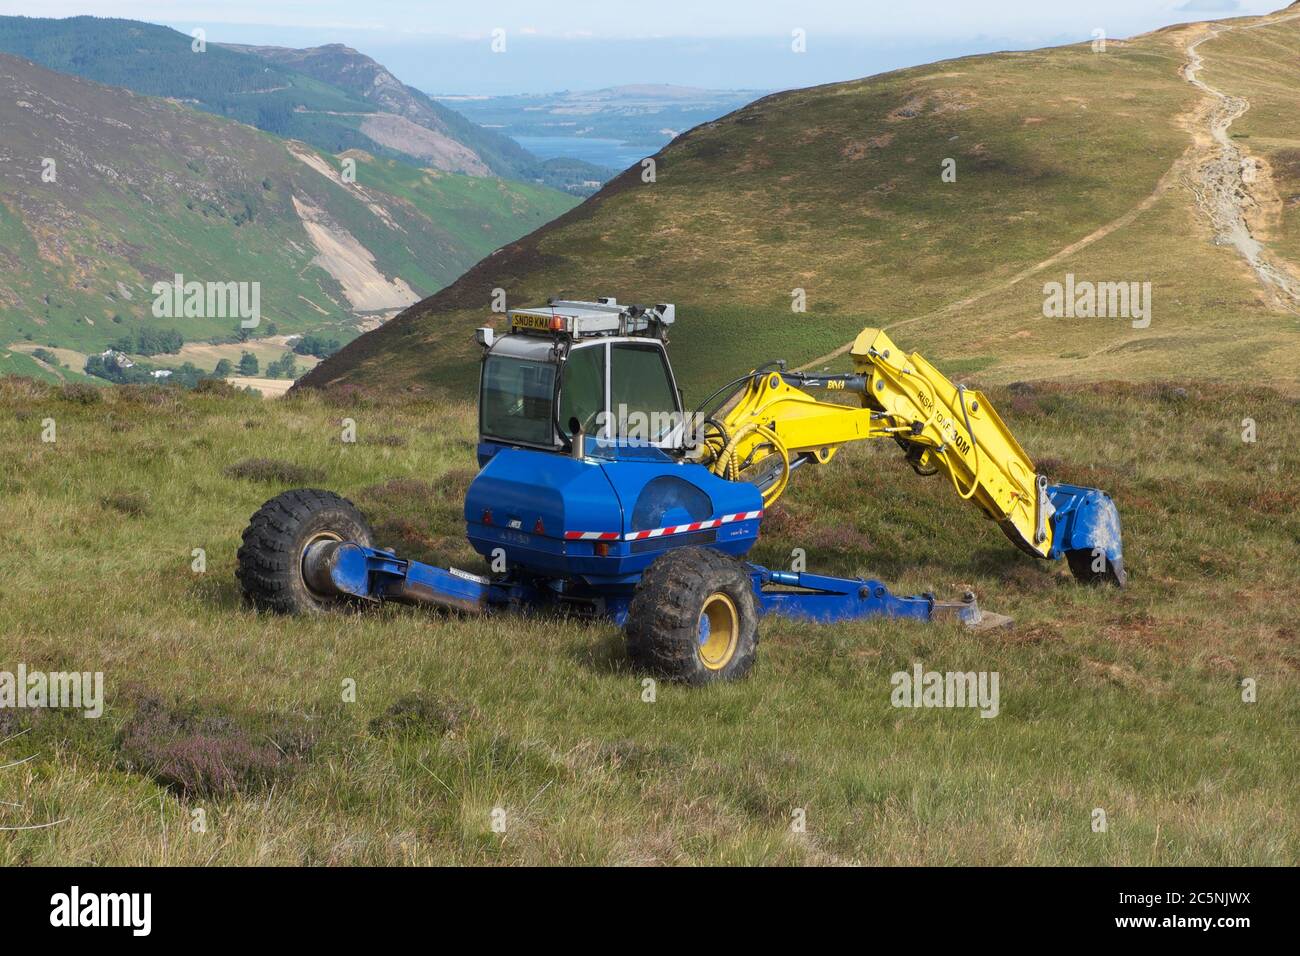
point(943, 428)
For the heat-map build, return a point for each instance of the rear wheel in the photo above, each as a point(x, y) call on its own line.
point(270, 561)
point(694, 618)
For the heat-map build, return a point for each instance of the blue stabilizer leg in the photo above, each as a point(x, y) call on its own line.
point(827, 599)
point(1085, 530)
point(348, 568)
point(367, 573)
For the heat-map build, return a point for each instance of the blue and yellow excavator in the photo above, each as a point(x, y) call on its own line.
point(599, 494)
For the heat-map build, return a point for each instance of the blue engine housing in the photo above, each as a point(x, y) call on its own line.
point(603, 519)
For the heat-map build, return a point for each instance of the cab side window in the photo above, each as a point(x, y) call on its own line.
point(582, 389)
point(642, 400)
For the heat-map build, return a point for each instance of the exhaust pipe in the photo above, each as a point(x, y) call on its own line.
point(578, 444)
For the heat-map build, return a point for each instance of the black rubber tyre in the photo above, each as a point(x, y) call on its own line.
point(1083, 567)
point(270, 559)
point(694, 618)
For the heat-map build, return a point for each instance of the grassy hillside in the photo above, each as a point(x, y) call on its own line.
point(1067, 161)
point(1130, 702)
point(143, 188)
point(17, 363)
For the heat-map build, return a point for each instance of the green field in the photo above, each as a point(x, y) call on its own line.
point(1129, 702)
point(14, 362)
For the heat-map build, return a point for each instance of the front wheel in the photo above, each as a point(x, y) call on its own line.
point(270, 563)
point(694, 618)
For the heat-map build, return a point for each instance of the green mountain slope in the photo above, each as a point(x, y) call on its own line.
point(103, 193)
point(159, 61)
point(1069, 162)
point(407, 107)
point(331, 97)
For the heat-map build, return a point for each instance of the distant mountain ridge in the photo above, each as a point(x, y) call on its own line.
point(331, 97)
point(643, 114)
point(357, 73)
point(353, 71)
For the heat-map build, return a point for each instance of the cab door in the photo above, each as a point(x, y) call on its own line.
point(620, 390)
point(643, 398)
point(584, 389)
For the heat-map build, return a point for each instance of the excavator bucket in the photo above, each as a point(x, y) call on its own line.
point(1085, 530)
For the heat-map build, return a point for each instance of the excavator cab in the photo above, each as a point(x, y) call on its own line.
point(596, 369)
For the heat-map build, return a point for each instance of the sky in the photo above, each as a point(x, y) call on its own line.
point(549, 45)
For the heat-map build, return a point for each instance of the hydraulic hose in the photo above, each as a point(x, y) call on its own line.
point(725, 464)
point(734, 385)
point(975, 475)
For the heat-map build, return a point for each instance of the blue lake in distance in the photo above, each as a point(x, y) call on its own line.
point(613, 153)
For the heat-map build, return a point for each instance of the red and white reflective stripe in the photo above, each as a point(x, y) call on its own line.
point(660, 532)
point(693, 526)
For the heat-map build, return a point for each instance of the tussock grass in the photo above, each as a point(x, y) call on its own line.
point(271, 470)
point(1129, 702)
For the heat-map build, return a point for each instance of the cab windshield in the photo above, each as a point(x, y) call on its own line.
point(517, 403)
point(642, 401)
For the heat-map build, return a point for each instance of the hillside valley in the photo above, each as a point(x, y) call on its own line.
point(104, 193)
point(943, 202)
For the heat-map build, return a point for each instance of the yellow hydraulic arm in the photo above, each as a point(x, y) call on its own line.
point(943, 428)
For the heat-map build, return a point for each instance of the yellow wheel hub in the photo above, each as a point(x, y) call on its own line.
point(719, 631)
